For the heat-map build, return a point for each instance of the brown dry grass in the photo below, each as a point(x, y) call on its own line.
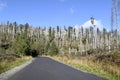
point(10, 63)
point(102, 68)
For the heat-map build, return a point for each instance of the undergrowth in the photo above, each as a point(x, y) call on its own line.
point(106, 69)
point(11, 62)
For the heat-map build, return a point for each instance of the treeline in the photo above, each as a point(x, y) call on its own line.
point(23, 39)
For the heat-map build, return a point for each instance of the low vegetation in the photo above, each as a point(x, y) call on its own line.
point(10, 61)
point(105, 66)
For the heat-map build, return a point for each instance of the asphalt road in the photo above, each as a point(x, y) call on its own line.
point(47, 69)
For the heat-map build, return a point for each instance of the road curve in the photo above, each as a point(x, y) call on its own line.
point(47, 69)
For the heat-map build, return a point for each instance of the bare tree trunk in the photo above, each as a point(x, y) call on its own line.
point(116, 16)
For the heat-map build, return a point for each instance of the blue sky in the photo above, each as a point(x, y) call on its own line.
point(55, 12)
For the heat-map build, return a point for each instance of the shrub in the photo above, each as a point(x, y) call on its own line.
point(34, 53)
point(53, 50)
point(91, 51)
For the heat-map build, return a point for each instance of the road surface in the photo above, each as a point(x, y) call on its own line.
point(47, 69)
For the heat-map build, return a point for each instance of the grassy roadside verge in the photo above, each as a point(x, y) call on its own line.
point(89, 66)
point(9, 64)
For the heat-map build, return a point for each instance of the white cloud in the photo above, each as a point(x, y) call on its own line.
point(2, 5)
point(88, 24)
point(72, 11)
point(97, 23)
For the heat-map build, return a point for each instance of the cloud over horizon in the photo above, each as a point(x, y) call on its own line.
point(97, 23)
point(88, 24)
